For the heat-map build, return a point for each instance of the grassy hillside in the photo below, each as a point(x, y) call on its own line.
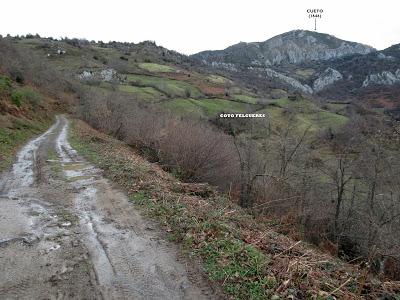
point(156, 68)
point(24, 113)
point(306, 114)
point(152, 74)
point(171, 88)
point(204, 107)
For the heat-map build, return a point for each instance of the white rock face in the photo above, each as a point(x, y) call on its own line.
point(291, 47)
point(328, 77)
point(108, 75)
point(86, 75)
point(103, 75)
point(227, 66)
point(383, 78)
point(290, 81)
point(381, 55)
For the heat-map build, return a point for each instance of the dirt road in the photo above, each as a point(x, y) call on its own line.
point(67, 233)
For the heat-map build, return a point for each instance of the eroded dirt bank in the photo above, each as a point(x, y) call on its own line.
point(66, 232)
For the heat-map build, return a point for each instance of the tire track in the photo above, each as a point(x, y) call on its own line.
point(130, 262)
point(36, 253)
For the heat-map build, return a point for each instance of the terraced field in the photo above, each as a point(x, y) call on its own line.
point(143, 93)
point(217, 79)
point(245, 98)
point(156, 68)
point(184, 107)
point(170, 87)
point(206, 107)
point(305, 114)
point(186, 91)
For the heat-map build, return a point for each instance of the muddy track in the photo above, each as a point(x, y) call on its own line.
point(67, 233)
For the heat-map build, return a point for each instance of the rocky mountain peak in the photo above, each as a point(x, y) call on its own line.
point(292, 47)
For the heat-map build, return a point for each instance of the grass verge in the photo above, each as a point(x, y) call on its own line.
point(15, 135)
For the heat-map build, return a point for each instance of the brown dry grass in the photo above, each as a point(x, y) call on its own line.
point(207, 88)
point(297, 269)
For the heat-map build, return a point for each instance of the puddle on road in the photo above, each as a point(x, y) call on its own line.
point(22, 211)
point(103, 266)
point(127, 265)
point(22, 175)
point(82, 175)
point(66, 224)
point(79, 178)
point(75, 166)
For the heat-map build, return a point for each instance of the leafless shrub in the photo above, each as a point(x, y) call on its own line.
point(193, 150)
point(198, 152)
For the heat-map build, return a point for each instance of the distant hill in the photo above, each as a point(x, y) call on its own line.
point(315, 64)
point(292, 47)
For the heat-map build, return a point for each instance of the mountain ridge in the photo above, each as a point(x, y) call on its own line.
point(316, 64)
point(295, 46)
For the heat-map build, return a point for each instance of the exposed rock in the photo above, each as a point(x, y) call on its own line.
point(103, 75)
point(328, 77)
point(383, 78)
point(221, 65)
point(289, 80)
point(108, 75)
point(381, 55)
point(292, 47)
point(86, 75)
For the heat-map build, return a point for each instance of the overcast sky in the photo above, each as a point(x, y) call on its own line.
point(190, 26)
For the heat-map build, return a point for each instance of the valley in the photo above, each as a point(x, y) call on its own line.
point(140, 189)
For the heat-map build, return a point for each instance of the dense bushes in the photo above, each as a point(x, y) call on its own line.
point(336, 191)
point(194, 151)
point(199, 152)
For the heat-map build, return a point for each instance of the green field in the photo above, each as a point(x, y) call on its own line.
point(143, 93)
point(156, 68)
point(305, 114)
point(170, 87)
point(336, 107)
point(184, 107)
point(212, 107)
point(245, 98)
point(205, 107)
point(216, 79)
point(302, 105)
